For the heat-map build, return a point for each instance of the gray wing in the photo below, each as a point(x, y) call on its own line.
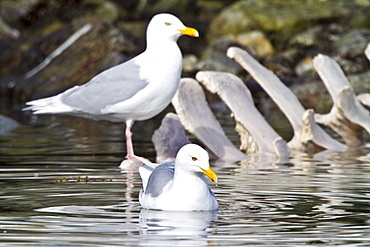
point(112, 86)
point(162, 175)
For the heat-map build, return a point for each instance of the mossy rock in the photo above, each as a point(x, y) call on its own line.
point(287, 17)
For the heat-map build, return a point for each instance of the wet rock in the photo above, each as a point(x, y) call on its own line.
point(287, 17)
point(27, 52)
point(34, 16)
point(169, 138)
point(71, 56)
point(7, 124)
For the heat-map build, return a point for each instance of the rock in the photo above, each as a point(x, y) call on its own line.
point(35, 15)
point(210, 8)
point(107, 10)
point(7, 32)
point(305, 68)
point(13, 12)
point(177, 7)
point(137, 29)
point(346, 47)
point(319, 36)
point(214, 57)
point(169, 138)
point(7, 124)
point(364, 99)
point(354, 66)
point(257, 42)
point(286, 17)
point(353, 43)
point(282, 64)
point(189, 63)
point(360, 82)
point(314, 95)
point(67, 57)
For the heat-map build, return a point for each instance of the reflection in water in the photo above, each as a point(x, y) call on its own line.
point(156, 222)
point(189, 227)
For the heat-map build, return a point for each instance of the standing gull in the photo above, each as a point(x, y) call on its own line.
point(135, 90)
point(179, 185)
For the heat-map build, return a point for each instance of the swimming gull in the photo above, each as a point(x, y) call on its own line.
point(179, 185)
point(135, 90)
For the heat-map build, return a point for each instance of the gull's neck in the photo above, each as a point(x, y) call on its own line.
point(159, 52)
point(182, 176)
point(154, 42)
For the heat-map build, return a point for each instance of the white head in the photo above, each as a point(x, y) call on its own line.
point(168, 27)
point(194, 158)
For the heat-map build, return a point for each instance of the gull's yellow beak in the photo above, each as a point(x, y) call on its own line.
point(210, 173)
point(190, 31)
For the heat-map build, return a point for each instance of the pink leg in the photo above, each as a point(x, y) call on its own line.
point(129, 145)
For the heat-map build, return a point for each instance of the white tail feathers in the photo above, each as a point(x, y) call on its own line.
point(51, 105)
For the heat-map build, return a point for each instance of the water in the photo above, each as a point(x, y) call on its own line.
point(61, 186)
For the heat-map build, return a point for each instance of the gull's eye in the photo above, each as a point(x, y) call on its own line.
point(194, 158)
point(167, 24)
